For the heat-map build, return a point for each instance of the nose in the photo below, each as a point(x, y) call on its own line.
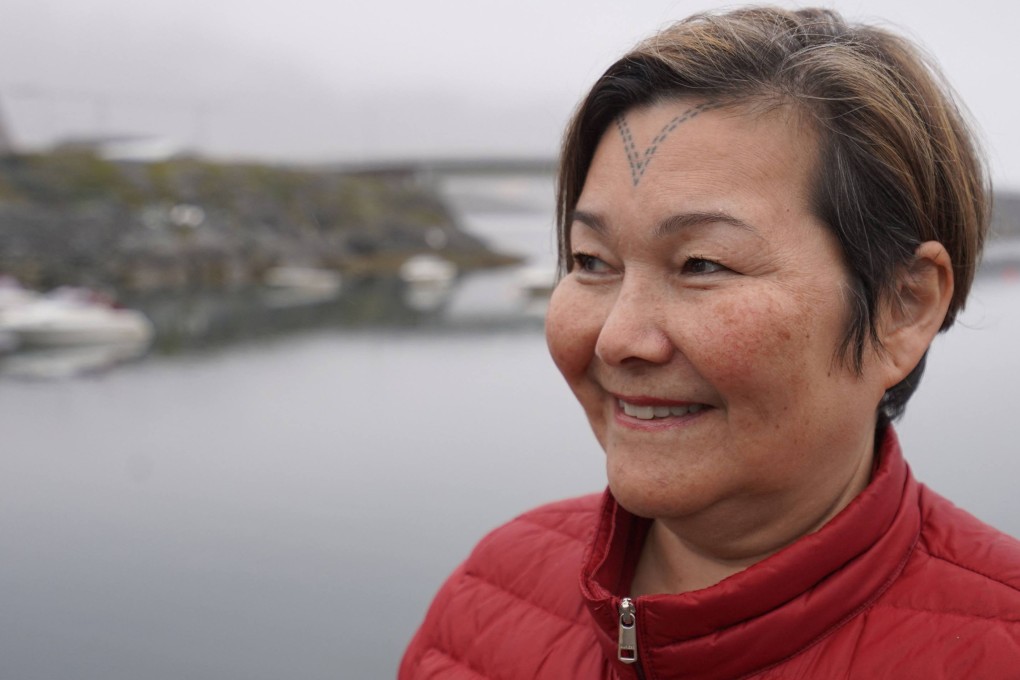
point(635, 328)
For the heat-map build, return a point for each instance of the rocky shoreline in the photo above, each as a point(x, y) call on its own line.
point(73, 218)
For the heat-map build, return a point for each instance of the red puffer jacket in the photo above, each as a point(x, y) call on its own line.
point(901, 584)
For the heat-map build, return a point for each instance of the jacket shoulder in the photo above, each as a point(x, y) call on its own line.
point(960, 566)
point(954, 611)
point(573, 518)
point(523, 571)
point(536, 557)
point(975, 552)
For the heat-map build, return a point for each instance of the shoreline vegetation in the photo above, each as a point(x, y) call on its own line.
point(70, 217)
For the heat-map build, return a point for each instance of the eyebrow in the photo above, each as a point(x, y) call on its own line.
point(669, 225)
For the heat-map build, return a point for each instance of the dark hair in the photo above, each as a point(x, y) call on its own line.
point(898, 163)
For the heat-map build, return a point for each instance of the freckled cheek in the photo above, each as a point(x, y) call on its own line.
point(571, 329)
point(745, 341)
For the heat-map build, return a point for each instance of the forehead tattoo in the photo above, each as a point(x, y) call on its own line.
point(639, 161)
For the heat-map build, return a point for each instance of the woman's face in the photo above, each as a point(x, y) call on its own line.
point(699, 324)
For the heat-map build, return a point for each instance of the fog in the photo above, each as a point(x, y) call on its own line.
point(319, 80)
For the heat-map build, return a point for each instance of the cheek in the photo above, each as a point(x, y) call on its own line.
point(570, 331)
point(751, 338)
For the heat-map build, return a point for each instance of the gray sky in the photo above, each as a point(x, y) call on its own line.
point(336, 80)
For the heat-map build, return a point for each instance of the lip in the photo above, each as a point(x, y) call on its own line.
point(656, 424)
point(651, 401)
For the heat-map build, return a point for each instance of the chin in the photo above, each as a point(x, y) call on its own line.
point(661, 483)
point(655, 498)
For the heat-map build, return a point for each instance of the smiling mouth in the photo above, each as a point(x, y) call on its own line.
point(657, 412)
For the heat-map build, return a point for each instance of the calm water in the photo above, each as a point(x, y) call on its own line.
point(287, 507)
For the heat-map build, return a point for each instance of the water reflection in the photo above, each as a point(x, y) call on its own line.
point(472, 301)
point(55, 363)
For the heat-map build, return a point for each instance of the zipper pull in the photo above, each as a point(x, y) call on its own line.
point(627, 646)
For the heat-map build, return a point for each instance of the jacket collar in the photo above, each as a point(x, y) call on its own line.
point(770, 611)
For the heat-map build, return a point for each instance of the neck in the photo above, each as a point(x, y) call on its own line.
point(690, 553)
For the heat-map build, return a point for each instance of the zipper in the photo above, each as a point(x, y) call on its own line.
point(626, 648)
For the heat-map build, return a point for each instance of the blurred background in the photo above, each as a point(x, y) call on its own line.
point(271, 309)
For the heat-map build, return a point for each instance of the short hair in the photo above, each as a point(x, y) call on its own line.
point(899, 164)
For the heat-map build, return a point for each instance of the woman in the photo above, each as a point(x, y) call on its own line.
point(765, 217)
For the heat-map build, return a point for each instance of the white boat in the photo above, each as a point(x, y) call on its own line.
point(429, 280)
point(68, 322)
point(290, 286)
point(12, 296)
point(536, 281)
point(427, 269)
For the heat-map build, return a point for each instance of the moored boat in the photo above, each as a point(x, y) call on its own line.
point(63, 320)
point(427, 269)
point(290, 286)
point(536, 281)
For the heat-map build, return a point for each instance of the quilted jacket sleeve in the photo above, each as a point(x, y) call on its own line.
point(514, 609)
point(427, 640)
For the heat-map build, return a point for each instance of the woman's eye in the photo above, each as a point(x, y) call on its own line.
point(590, 263)
point(699, 265)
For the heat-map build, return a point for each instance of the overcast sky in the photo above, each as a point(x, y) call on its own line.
point(338, 80)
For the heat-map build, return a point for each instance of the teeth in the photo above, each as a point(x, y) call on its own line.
point(650, 412)
point(642, 412)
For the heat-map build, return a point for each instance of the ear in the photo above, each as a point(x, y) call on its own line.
point(915, 311)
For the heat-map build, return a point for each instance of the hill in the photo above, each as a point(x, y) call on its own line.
point(71, 217)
